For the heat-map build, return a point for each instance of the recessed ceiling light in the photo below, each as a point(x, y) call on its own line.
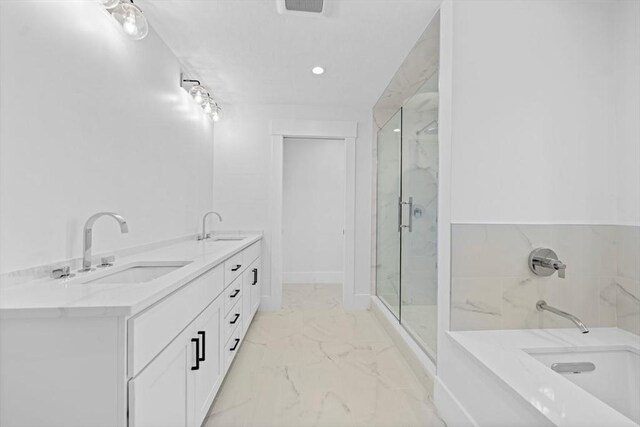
point(317, 70)
point(396, 130)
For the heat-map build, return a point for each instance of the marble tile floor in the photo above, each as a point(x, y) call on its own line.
point(316, 364)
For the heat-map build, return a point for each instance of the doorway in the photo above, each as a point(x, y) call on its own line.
point(345, 132)
point(313, 211)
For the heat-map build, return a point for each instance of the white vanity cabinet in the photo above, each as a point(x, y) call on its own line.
point(177, 387)
point(161, 366)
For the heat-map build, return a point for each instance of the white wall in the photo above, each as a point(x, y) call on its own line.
point(532, 118)
point(313, 210)
point(92, 121)
point(241, 173)
point(626, 53)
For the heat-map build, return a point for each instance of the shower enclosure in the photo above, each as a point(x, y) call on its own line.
point(407, 206)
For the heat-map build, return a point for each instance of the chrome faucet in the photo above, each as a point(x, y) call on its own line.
point(204, 234)
point(542, 305)
point(88, 238)
point(545, 262)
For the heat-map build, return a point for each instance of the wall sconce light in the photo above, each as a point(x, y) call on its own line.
point(129, 16)
point(201, 96)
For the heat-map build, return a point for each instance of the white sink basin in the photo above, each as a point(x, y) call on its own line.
point(138, 272)
point(225, 238)
point(614, 376)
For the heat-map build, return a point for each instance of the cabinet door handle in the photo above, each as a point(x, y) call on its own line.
point(237, 267)
point(235, 319)
point(197, 341)
point(235, 345)
point(235, 293)
point(255, 276)
point(204, 346)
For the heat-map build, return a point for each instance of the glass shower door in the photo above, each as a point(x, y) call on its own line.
point(419, 160)
point(388, 193)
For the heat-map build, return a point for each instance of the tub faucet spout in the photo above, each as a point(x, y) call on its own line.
point(542, 305)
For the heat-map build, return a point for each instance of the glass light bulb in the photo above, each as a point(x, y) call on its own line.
point(109, 4)
point(208, 108)
point(216, 114)
point(133, 22)
point(198, 92)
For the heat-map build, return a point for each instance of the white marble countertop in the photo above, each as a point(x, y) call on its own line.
point(558, 399)
point(71, 297)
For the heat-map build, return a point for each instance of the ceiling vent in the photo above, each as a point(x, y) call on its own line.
point(315, 7)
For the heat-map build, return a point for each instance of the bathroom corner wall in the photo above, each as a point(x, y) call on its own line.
point(93, 121)
point(493, 288)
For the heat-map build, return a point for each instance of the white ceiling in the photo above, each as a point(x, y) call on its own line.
point(246, 52)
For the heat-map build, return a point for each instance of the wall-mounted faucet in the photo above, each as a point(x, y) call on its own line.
point(87, 240)
point(545, 262)
point(542, 305)
point(204, 234)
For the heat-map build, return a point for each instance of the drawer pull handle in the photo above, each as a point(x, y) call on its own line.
point(235, 319)
point(235, 345)
point(202, 334)
point(197, 341)
point(235, 293)
point(237, 267)
point(255, 276)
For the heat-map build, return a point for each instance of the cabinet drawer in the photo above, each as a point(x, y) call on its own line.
point(232, 294)
point(232, 347)
point(233, 319)
point(150, 331)
point(233, 268)
point(251, 253)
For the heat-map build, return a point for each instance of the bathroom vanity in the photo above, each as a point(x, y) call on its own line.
point(145, 342)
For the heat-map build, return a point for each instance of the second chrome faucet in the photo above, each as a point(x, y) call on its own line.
point(204, 234)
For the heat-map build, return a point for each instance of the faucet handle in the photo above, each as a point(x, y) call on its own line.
point(107, 261)
point(561, 272)
point(62, 272)
point(544, 262)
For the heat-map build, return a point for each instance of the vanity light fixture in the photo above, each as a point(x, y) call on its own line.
point(216, 113)
point(201, 96)
point(129, 16)
point(317, 70)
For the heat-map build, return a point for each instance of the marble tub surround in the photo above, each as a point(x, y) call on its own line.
point(627, 280)
point(316, 364)
point(551, 398)
point(72, 297)
point(492, 287)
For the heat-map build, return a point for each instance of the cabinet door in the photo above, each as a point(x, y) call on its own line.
point(158, 395)
point(205, 382)
point(256, 288)
point(247, 280)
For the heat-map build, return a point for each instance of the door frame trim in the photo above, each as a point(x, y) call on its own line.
point(281, 129)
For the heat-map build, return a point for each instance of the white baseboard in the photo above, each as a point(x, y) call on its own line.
point(312, 277)
point(451, 411)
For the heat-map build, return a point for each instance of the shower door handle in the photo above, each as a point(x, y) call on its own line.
point(400, 224)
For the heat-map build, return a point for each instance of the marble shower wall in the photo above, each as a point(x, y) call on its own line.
point(492, 287)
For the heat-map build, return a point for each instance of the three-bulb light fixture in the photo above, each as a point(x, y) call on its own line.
point(133, 22)
point(202, 97)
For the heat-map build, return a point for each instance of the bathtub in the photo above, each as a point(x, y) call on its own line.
point(545, 377)
point(611, 374)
